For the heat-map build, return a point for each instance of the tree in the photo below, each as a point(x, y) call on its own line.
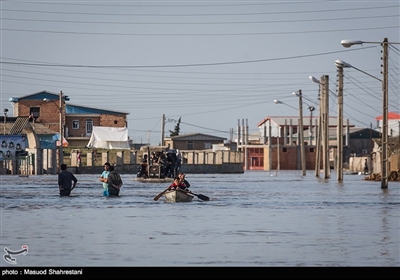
point(176, 130)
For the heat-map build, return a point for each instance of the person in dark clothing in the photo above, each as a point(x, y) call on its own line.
point(66, 181)
point(143, 172)
point(170, 165)
point(114, 182)
point(366, 166)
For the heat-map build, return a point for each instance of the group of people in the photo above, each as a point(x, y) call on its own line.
point(169, 161)
point(111, 180)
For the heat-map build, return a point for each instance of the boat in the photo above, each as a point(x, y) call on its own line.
point(153, 174)
point(178, 196)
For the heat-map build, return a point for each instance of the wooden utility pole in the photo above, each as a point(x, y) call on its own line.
point(325, 124)
point(339, 167)
point(318, 135)
point(385, 89)
point(61, 156)
point(162, 129)
point(301, 135)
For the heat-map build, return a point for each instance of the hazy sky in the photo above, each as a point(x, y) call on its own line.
point(211, 63)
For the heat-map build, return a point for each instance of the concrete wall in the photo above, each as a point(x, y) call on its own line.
point(226, 168)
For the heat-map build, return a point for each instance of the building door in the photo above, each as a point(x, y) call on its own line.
point(255, 158)
point(89, 127)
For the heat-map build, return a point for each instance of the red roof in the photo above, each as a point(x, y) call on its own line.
point(391, 116)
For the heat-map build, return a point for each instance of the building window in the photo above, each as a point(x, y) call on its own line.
point(284, 150)
point(207, 145)
point(189, 145)
point(89, 126)
point(35, 112)
point(115, 122)
point(75, 124)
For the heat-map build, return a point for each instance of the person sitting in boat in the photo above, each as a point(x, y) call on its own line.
point(182, 179)
point(177, 184)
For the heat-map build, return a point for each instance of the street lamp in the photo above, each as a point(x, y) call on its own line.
point(341, 63)
point(276, 101)
point(60, 108)
point(385, 105)
point(301, 132)
point(5, 110)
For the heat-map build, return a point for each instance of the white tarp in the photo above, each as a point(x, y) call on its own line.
point(104, 137)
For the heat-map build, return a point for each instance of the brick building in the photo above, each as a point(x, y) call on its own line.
point(77, 121)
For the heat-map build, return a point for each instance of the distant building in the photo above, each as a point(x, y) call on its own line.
point(393, 123)
point(45, 107)
point(193, 141)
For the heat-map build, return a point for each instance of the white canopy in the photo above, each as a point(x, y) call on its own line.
point(109, 138)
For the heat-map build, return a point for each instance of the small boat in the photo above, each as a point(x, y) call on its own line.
point(177, 196)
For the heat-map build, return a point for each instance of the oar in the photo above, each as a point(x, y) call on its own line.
point(160, 194)
point(201, 196)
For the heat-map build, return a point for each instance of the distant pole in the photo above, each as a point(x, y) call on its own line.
point(326, 167)
point(301, 134)
point(318, 135)
point(5, 110)
point(279, 152)
point(385, 89)
point(269, 144)
point(238, 135)
point(61, 156)
point(311, 109)
point(162, 129)
point(247, 132)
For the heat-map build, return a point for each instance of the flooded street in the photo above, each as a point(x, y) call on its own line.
point(253, 219)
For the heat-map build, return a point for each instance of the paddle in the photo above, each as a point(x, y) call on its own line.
point(160, 194)
point(201, 196)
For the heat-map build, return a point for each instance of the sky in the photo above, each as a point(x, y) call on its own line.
point(213, 64)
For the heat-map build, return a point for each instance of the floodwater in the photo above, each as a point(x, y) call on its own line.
point(258, 218)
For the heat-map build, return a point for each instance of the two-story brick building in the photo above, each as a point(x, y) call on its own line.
point(77, 121)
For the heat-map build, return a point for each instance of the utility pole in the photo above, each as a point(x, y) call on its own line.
point(278, 167)
point(301, 135)
point(318, 138)
point(311, 109)
point(162, 129)
point(5, 110)
point(325, 120)
point(339, 168)
point(385, 86)
point(61, 156)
